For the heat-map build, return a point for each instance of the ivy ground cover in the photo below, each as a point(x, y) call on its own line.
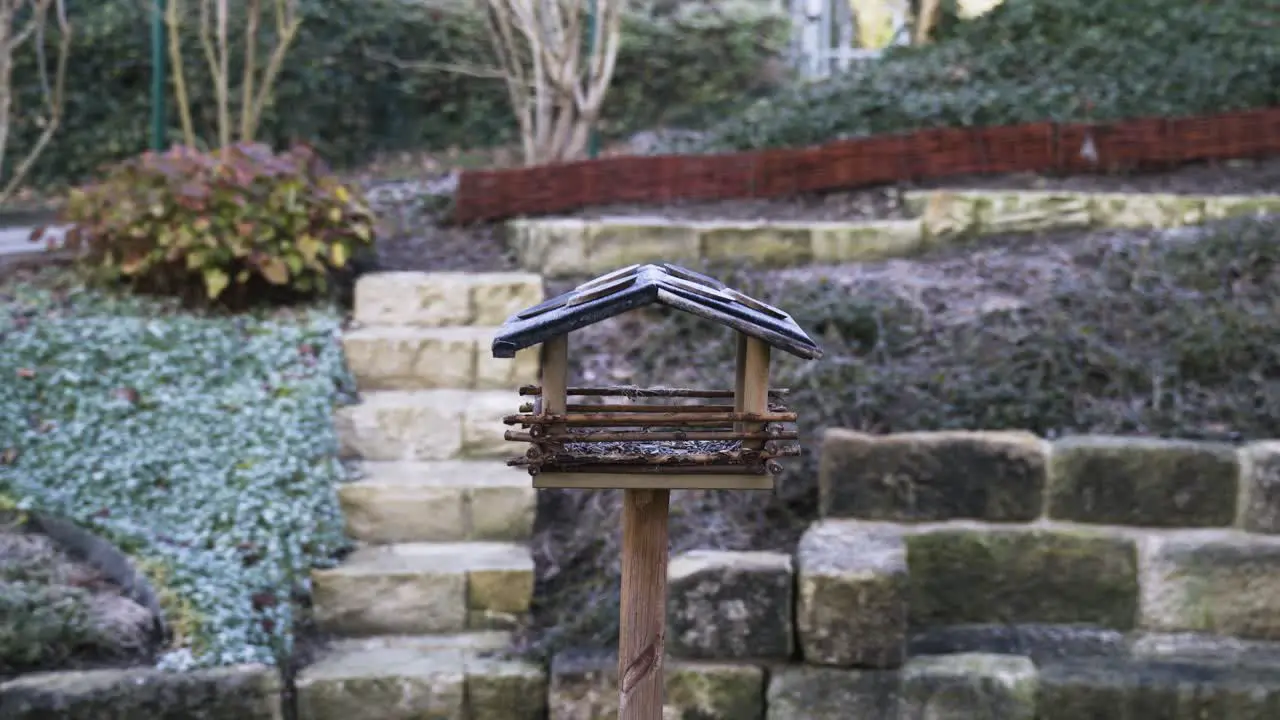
point(202, 445)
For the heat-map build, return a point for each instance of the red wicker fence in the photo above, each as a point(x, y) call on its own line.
point(1143, 144)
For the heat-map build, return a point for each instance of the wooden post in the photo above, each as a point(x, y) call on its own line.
point(740, 379)
point(751, 391)
point(642, 631)
point(555, 378)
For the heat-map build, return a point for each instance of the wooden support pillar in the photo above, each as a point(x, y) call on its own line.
point(751, 388)
point(642, 631)
point(740, 378)
point(555, 378)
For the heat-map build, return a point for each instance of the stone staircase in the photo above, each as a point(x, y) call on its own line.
point(442, 567)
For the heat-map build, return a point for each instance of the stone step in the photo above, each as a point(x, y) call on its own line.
point(447, 500)
point(426, 424)
point(445, 299)
point(460, 677)
point(423, 588)
point(560, 247)
point(393, 357)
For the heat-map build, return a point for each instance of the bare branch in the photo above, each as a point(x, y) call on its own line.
point(287, 24)
point(253, 16)
point(224, 75)
point(555, 89)
point(53, 94)
point(33, 24)
point(930, 11)
point(475, 71)
point(173, 11)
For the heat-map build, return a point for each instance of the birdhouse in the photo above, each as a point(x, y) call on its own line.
point(649, 441)
point(654, 438)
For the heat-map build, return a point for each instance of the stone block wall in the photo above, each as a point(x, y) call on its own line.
point(987, 575)
point(930, 219)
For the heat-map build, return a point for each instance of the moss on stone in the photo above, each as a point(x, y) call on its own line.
point(969, 686)
point(1261, 488)
point(230, 693)
point(506, 690)
point(1143, 482)
point(913, 477)
point(802, 692)
point(707, 691)
point(1212, 581)
point(1021, 575)
point(1136, 690)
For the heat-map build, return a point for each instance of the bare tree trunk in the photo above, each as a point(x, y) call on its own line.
point(926, 19)
point(52, 92)
point(173, 24)
point(253, 9)
point(288, 20)
point(257, 81)
point(10, 40)
point(224, 73)
point(556, 92)
point(208, 42)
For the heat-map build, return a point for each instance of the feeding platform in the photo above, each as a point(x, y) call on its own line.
point(655, 438)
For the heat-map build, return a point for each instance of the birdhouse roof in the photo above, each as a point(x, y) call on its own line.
point(661, 284)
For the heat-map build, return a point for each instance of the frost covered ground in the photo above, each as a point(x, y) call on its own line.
point(200, 445)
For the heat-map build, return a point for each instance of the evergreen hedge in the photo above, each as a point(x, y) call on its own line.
point(678, 62)
point(1037, 60)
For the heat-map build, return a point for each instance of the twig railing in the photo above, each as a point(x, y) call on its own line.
point(630, 438)
point(637, 392)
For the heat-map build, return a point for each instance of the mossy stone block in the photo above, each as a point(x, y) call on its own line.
point(229, 693)
point(1120, 689)
point(920, 477)
point(1040, 642)
point(714, 691)
point(964, 575)
point(852, 595)
point(725, 605)
point(506, 689)
point(969, 686)
point(1143, 482)
point(1214, 581)
point(1261, 478)
point(800, 692)
point(584, 685)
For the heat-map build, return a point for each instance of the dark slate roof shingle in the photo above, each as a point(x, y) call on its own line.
point(639, 285)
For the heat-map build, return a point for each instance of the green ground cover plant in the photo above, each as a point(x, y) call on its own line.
point(200, 444)
point(1032, 61)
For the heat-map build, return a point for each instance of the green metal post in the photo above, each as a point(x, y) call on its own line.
point(593, 141)
point(158, 72)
